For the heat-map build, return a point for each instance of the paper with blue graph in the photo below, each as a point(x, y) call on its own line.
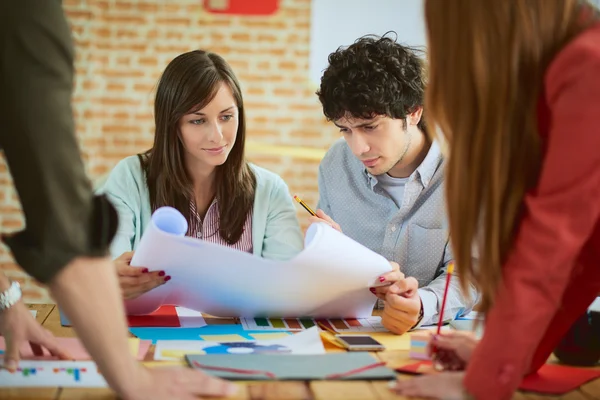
point(52, 374)
point(306, 342)
point(330, 278)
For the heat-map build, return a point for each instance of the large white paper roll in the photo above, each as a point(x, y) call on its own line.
point(330, 278)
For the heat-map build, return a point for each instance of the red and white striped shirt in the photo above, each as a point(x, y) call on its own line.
point(209, 228)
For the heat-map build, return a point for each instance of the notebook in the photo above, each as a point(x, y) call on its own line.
point(333, 366)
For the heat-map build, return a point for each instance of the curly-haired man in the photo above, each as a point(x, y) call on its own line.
point(382, 184)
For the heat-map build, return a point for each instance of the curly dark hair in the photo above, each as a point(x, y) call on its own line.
point(374, 76)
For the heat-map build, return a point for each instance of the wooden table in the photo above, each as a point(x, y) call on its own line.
point(48, 316)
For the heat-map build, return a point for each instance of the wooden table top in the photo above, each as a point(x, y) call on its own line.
point(48, 316)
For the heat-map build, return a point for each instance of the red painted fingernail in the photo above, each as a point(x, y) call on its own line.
point(145, 270)
point(381, 279)
point(161, 273)
point(167, 278)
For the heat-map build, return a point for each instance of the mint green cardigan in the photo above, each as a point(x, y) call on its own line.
point(276, 232)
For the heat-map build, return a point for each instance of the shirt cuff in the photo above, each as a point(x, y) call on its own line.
point(430, 305)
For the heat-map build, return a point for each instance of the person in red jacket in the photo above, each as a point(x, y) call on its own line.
point(514, 88)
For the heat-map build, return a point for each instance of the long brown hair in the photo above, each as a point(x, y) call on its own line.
point(487, 61)
point(187, 85)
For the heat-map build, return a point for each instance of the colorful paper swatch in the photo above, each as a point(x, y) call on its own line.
point(168, 316)
point(372, 324)
point(164, 316)
point(418, 346)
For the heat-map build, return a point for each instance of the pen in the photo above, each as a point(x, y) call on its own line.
point(306, 207)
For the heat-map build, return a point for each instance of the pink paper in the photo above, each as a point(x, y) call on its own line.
point(73, 346)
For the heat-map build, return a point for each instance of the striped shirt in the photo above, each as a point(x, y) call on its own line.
point(209, 228)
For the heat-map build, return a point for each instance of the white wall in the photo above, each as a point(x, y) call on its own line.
point(341, 22)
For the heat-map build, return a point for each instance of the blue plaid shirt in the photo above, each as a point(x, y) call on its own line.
point(414, 234)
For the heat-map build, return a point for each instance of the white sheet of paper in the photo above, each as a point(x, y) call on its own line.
point(190, 318)
point(595, 306)
point(53, 374)
point(33, 312)
point(330, 278)
point(306, 342)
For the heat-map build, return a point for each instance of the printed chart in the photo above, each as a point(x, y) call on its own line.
point(372, 324)
point(52, 374)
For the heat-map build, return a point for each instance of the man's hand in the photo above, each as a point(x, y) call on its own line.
point(322, 217)
point(402, 306)
point(18, 327)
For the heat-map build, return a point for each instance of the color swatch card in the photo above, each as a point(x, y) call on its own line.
point(371, 324)
point(52, 374)
point(307, 342)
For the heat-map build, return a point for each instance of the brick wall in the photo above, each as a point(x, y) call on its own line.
point(122, 47)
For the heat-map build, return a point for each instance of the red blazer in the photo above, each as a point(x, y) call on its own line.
point(553, 271)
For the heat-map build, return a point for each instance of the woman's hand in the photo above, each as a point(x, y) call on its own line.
point(452, 351)
point(135, 281)
point(445, 385)
point(387, 280)
point(18, 327)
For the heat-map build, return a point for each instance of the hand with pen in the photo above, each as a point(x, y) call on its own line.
point(452, 351)
point(320, 216)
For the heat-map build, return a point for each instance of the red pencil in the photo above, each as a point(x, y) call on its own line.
point(448, 277)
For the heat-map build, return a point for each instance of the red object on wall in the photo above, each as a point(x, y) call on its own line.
point(242, 7)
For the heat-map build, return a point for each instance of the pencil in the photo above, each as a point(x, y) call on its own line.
point(325, 327)
point(448, 277)
point(306, 207)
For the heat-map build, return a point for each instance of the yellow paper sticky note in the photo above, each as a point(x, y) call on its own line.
point(392, 341)
point(179, 353)
point(224, 338)
point(270, 335)
point(158, 364)
point(134, 346)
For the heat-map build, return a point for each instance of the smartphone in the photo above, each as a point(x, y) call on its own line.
point(359, 343)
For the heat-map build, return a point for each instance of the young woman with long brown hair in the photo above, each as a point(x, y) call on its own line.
point(197, 166)
point(514, 87)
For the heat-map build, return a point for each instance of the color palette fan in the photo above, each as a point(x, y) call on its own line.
point(372, 324)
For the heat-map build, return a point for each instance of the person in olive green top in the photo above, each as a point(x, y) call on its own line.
point(68, 230)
